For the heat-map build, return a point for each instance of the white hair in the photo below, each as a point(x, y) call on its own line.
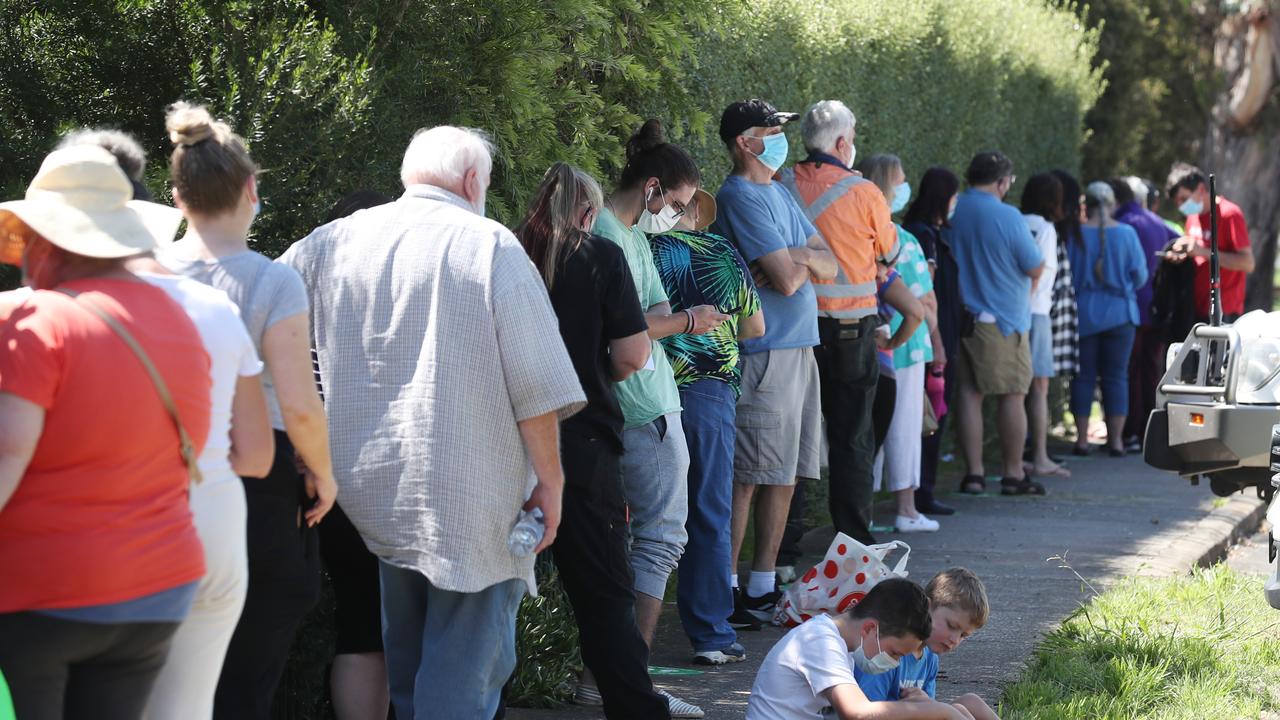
point(1100, 196)
point(442, 155)
point(825, 122)
point(1139, 188)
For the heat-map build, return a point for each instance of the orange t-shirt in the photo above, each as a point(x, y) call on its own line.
point(101, 515)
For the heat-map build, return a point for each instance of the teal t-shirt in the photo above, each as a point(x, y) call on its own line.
point(914, 269)
point(651, 392)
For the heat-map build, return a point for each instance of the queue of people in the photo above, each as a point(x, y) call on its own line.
point(390, 395)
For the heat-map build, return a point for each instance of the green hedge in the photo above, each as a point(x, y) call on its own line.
point(328, 92)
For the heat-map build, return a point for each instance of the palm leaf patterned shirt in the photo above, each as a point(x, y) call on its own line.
point(701, 268)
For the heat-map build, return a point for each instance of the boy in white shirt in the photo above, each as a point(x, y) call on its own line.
point(809, 673)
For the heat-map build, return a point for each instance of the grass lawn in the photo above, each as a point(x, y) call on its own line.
point(1200, 646)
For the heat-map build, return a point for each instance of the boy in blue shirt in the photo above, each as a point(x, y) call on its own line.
point(958, 606)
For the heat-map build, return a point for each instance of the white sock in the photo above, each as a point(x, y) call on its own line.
point(761, 583)
point(733, 580)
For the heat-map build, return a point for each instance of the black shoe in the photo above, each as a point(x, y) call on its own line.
point(1133, 446)
point(762, 607)
point(933, 507)
point(1115, 452)
point(742, 619)
point(1085, 451)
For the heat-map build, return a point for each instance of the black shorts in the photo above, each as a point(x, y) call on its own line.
point(353, 573)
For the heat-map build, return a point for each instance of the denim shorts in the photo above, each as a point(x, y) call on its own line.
point(1041, 347)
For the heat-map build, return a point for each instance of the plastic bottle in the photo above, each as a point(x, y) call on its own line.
point(527, 532)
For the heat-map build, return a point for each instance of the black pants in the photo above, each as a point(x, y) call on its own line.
point(353, 575)
point(67, 669)
point(849, 372)
point(931, 452)
point(1146, 367)
point(284, 584)
point(595, 569)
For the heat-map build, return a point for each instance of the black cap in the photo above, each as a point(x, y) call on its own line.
point(742, 116)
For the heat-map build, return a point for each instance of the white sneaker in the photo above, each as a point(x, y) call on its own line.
point(919, 523)
point(679, 708)
point(785, 573)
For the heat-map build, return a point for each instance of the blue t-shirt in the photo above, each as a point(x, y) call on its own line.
point(994, 251)
point(758, 220)
point(1109, 301)
point(922, 674)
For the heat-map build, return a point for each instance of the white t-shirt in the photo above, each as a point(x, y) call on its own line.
point(1046, 236)
point(806, 662)
point(231, 356)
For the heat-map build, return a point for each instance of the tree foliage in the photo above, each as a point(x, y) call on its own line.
point(1157, 59)
point(328, 92)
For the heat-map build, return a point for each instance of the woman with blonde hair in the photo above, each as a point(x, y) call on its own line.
point(215, 185)
point(902, 448)
point(605, 332)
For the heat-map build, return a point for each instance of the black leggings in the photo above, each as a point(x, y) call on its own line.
point(284, 584)
point(59, 668)
point(882, 410)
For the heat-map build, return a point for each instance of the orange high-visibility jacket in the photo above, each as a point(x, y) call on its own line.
point(851, 214)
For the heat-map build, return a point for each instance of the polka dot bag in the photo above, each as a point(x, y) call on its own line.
point(845, 576)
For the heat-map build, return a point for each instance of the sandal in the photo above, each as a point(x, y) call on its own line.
point(1079, 451)
point(1024, 486)
point(973, 485)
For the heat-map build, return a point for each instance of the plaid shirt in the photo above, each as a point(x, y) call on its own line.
point(1063, 318)
point(435, 337)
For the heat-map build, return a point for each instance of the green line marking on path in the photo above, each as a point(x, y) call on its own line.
point(659, 670)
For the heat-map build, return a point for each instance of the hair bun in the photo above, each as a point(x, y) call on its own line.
point(188, 124)
point(648, 137)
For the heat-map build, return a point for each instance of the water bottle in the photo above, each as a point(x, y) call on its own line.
point(527, 532)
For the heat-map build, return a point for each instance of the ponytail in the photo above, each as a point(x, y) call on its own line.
point(650, 155)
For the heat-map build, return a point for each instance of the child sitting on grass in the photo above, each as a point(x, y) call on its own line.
point(810, 672)
point(958, 608)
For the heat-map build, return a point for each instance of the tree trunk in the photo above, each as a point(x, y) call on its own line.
point(1241, 145)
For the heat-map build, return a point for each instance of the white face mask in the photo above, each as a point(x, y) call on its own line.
point(882, 663)
point(660, 223)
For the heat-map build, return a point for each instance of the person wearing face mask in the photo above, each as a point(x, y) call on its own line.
point(927, 216)
point(779, 415)
point(604, 330)
point(998, 262)
point(899, 461)
point(1189, 191)
point(854, 219)
point(813, 670)
point(215, 185)
point(654, 191)
point(105, 406)
point(446, 381)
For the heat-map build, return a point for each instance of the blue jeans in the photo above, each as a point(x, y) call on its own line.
point(1104, 359)
point(703, 596)
point(654, 467)
point(448, 653)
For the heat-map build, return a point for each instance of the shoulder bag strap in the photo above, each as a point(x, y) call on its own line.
point(185, 446)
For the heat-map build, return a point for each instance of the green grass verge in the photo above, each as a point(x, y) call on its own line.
point(1201, 646)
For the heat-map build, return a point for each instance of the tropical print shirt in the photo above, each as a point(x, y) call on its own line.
point(701, 268)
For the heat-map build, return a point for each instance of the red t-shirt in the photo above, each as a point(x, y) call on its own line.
point(1233, 235)
point(101, 515)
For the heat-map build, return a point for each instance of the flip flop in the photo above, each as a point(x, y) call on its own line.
point(1057, 472)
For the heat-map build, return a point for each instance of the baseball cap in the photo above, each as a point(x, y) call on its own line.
point(744, 115)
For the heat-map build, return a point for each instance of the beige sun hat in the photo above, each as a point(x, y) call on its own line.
point(706, 203)
point(82, 202)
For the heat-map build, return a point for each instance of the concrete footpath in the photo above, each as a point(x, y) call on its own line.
point(1113, 518)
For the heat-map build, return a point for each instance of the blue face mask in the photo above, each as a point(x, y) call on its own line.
point(901, 195)
point(775, 151)
point(1191, 207)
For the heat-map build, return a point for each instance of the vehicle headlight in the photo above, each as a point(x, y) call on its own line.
point(1258, 381)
